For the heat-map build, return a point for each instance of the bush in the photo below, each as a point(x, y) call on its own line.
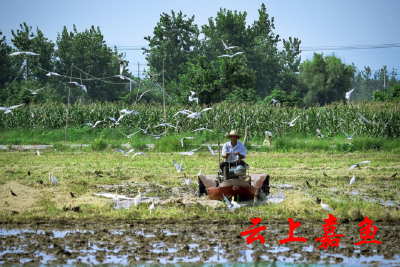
point(99, 144)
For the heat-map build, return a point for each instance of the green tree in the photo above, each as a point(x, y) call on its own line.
point(325, 79)
point(25, 39)
point(93, 60)
point(8, 69)
point(175, 39)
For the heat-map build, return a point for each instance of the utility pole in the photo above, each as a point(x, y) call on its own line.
point(69, 93)
point(165, 114)
point(27, 67)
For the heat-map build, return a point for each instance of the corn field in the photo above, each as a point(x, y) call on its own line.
point(223, 117)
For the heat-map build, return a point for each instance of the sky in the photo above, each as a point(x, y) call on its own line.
point(315, 22)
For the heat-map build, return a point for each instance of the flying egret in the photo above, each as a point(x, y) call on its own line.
point(364, 119)
point(116, 121)
point(8, 109)
point(151, 208)
point(275, 102)
point(139, 153)
point(232, 56)
point(192, 98)
point(157, 136)
point(187, 181)
point(202, 129)
point(53, 179)
point(325, 206)
point(211, 151)
point(347, 96)
point(138, 198)
point(189, 153)
point(34, 92)
point(126, 153)
point(122, 64)
point(349, 137)
point(185, 138)
point(52, 73)
point(127, 111)
point(358, 164)
point(130, 135)
point(291, 124)
point(93, 125)
point(25, 53)
point(178, 167)
point(80, 85)
point(164, 124)
point(185, 111)
point(122, 77)
point(228, 47)
point(353, 179)
point(319, 134)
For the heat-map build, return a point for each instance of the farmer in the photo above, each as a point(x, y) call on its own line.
point(231, 150)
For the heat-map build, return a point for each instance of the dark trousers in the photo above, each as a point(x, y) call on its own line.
point(233, 164)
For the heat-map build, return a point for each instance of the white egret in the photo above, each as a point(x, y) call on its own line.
point(34, 92)
point(234, 203)
point(151, 208)
point(192, 98)
point(116, 121)
point(358, 164)
point(8, 109)
point(349, 137)
point(122, 64)
point(347, 96)
point(291, 124)
point(138, 198)
point(127, 111)
point(122, 77)
point(164, 124)
point(228, 47)
point(178, 167)
point(353, 179)
point(202, 129)
point(126, 153)
point(185, 138)
point(364, 119)
point(187, 181)
point(232, 56)
point(189, 153)
point(139, 153)
point(201, 171)
point(211, 151)
point(319, 134)
point(37, 152)
point(53, 179)
point(229, 204)
point(93, 125)
point(130, 135)
point(25, 53)
point(52, 73)
point(80, 85)
point(326, 206)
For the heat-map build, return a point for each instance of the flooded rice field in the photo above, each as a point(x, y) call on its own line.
point(171, 241)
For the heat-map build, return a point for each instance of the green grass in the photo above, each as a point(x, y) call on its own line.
point(76, 171)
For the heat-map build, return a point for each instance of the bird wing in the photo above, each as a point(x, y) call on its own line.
point(209, 148)
point(345, 133)
point(206, 109)
point(12, 107)
point(15, 53)
point(238, 53)
point(120, 117)
point(363, 162)
point(294, 120)
point(90, 124)
point(121, 68)
point(83, 87)
point(122, 151)
point(76, 83)
point(143, 154)
point(361, 116)
point(3, 108)
point(225, 46)
point(353, 166)
point(97, 122)
point(318, 131)
point(176, 165)
point(182, 141)
point(112, 118)
point(193, 93)
point(233, 47)
point(225, 56)
point(131, 150)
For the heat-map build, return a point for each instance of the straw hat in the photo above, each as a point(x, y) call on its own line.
point(233, 133)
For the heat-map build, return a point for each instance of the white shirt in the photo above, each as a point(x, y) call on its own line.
point(229, 148)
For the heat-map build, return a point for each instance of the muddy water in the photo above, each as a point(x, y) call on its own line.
point(198, 241)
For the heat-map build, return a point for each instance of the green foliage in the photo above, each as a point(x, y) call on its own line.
point(99, 144)
point(283, 98)
point(8, 66)
point(391, 94)
point(175, 40)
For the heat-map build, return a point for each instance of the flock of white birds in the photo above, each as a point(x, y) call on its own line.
point(190, 114)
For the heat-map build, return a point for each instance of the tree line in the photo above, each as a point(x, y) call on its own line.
point(190, 58)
